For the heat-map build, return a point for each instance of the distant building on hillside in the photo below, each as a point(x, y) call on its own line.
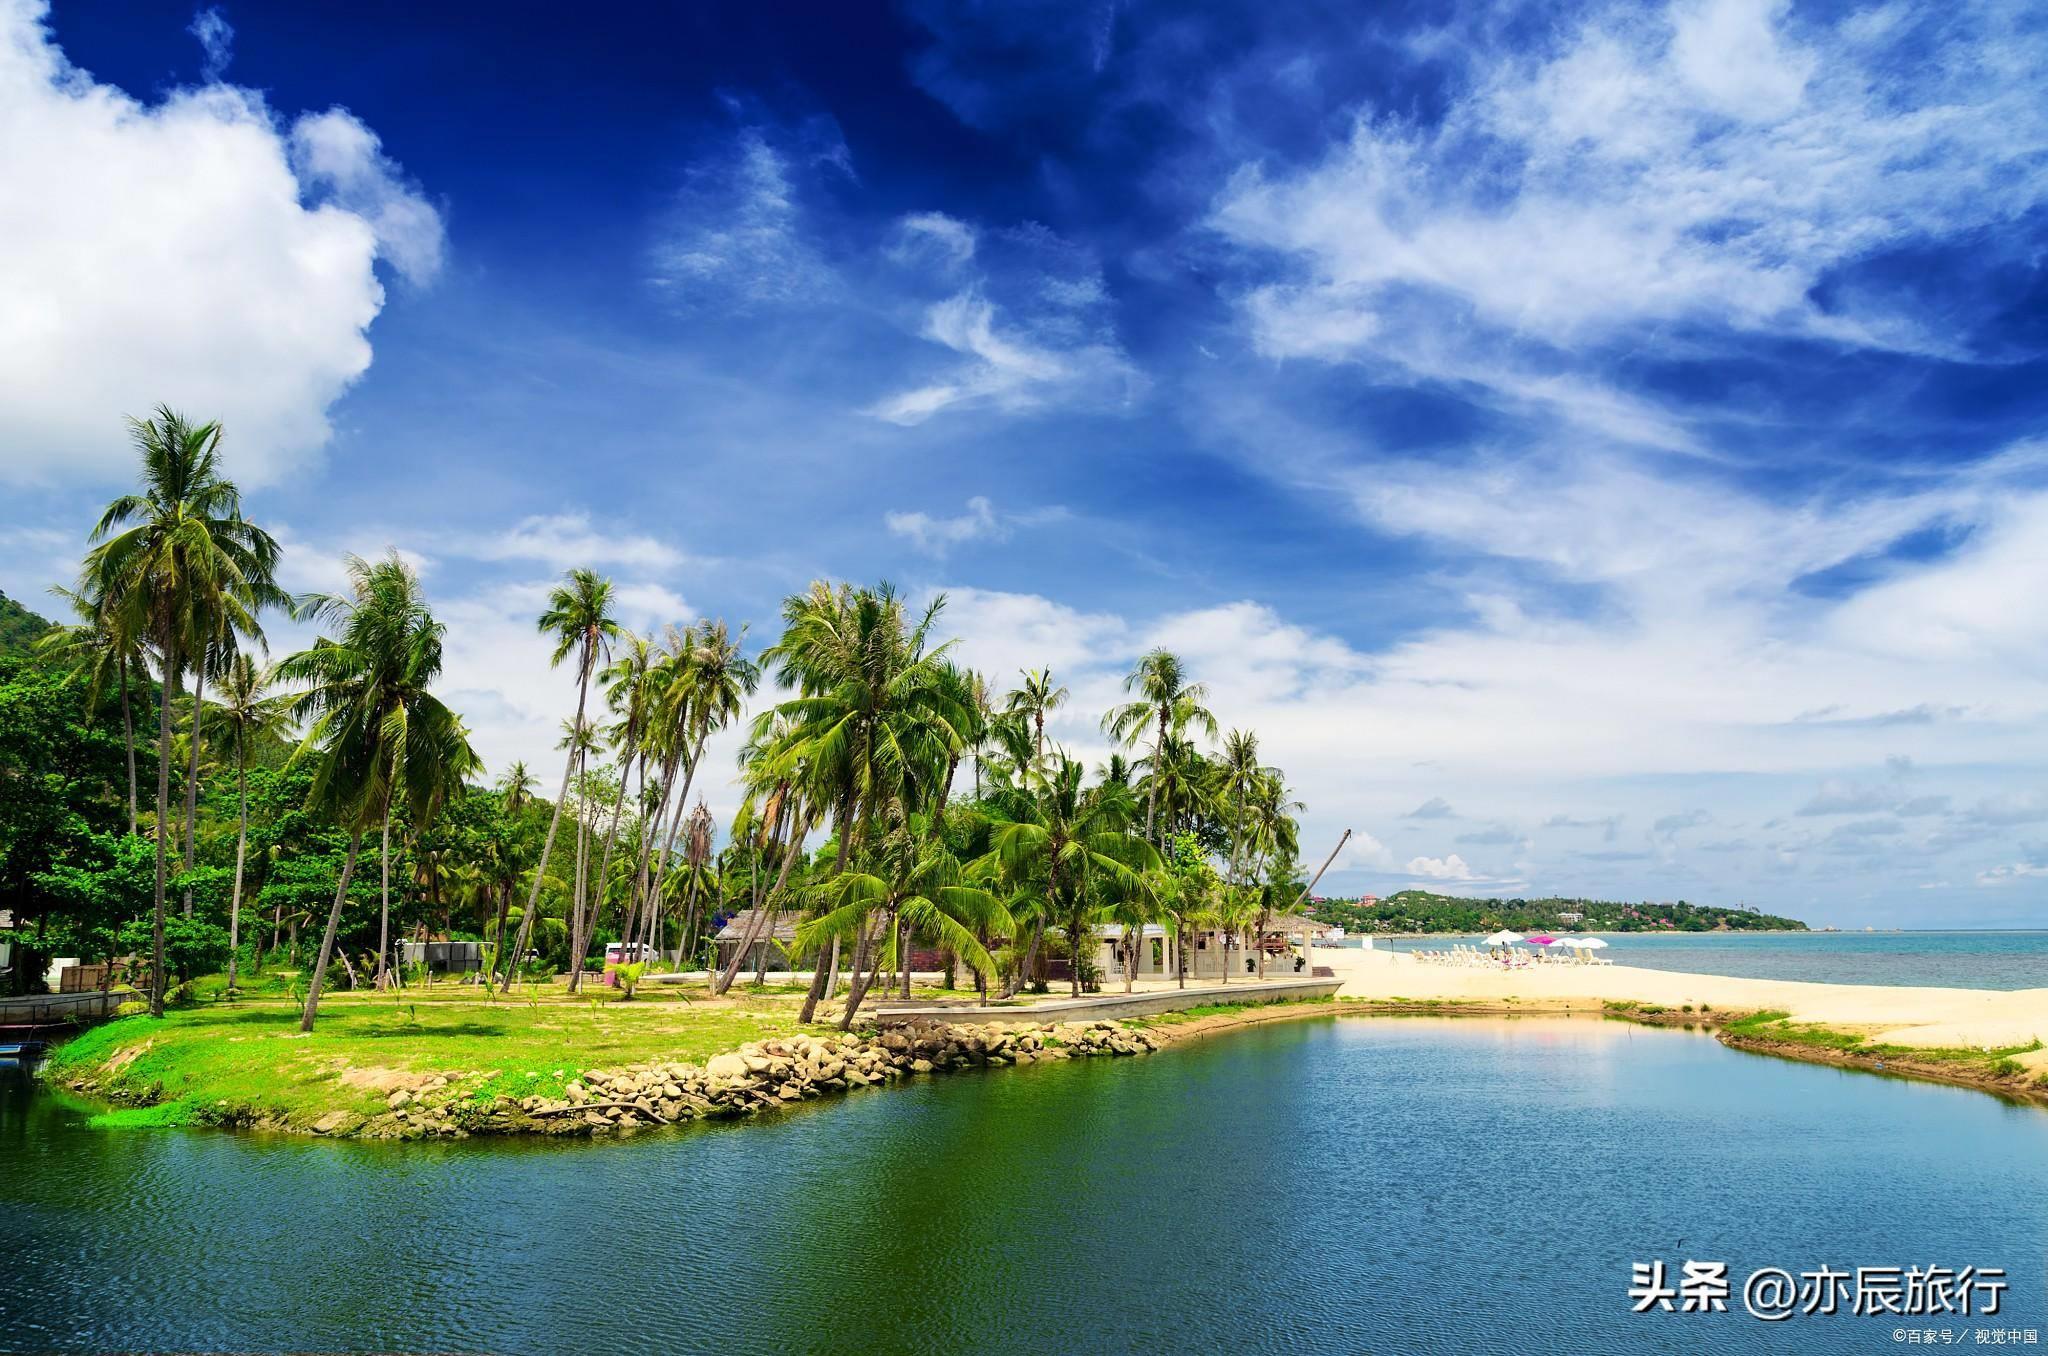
point(1569, 916)
point(1368, 901)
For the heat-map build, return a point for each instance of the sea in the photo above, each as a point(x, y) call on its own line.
point(1947, 959)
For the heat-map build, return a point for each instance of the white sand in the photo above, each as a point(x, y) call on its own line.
point(1924, 1017)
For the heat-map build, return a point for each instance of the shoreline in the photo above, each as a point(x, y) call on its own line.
point(1989, 1039)
point(1980, 1039)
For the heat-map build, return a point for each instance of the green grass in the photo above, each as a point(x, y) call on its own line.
point(219, 1062)
point(1995, 1062)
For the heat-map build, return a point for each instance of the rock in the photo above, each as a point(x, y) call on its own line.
point(330, 1123)
point(921, 1065)
point(726, 1067)
point(398, 1099)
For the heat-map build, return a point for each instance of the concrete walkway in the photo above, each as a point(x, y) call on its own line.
point(1098, 1007)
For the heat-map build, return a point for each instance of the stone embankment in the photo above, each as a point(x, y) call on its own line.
point(764, 1075)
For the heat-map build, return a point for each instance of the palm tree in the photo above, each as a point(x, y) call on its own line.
point(1240, 775)
point(1073, 847)
point(579, 617)
point(243, 712)
point(706, 693)
point(629, 693)
point(515, 790)
point(101, 651)
point(579, 740)
point(980, 723)
point(378, 731)
point(695, 873)
point(1032, 701)
point(1167, 703)
point(914, 886)
point(1271, 835)
point(178, 567)
point(875, 719)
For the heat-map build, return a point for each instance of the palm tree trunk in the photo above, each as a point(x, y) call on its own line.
point(732, 969)
point(1152, 791)
point(650, 831)
point(384, 894)
point(163, 824)
point(241, 850)
point(818, 979)
point(498, 933)
point(687, 942)
point(832, 976)
point(579, 940)
point(192, 780)
point(903, 951)
point(128, 740)
point(348, 867)
point(605, 862)
point(554, 823)
point(861, 979)
point(689, 779)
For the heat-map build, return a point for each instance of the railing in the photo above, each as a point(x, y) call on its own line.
point(51, 1008)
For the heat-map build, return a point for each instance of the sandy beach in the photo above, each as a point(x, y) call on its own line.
point(1923, 1017)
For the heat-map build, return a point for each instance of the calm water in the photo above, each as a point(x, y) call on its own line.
point(1958, 960)
point(1322, 1186)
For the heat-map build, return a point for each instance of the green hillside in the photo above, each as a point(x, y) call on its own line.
point(19, 627)
point(1421, 911)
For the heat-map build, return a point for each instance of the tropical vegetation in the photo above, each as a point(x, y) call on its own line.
point(180, 800)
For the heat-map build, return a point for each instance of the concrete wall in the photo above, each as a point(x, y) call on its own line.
point(1118, 1005)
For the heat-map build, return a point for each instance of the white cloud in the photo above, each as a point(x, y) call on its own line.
point(952, 239)
point(1011, 367)
point(343, 161)
point(216, 38)
point(736, 237)
point(1440, 868)
point(1709, 163)
point(568, 540)
point(936, 536)
point(2011, 875)
point(1029, 323)
point(120, 214)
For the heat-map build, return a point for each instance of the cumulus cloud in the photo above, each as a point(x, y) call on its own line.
point(1440, 868)
point(260, 237)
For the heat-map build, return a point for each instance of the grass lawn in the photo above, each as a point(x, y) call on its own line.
point(216, 1061)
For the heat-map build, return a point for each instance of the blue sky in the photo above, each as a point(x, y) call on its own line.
point(1595, 446)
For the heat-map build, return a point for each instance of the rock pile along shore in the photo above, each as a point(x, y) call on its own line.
point(772, 1073)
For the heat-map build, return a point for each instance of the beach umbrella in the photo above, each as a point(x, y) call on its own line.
point(1504, 938)
point(1544, 940)
point(1593, 942)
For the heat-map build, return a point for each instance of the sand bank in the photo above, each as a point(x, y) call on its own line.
point(1922, 1017)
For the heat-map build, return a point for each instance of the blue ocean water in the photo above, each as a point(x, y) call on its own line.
point(1310, 1188)
point(1954, 960)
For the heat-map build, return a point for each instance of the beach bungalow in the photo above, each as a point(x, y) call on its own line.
point(1208, 951)
point(777, 946)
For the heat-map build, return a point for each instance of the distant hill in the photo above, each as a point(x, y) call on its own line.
point(1421, 911)
point(19, 627)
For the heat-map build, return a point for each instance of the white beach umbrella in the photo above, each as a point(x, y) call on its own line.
point(1593, 943)
point(1504, 938)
